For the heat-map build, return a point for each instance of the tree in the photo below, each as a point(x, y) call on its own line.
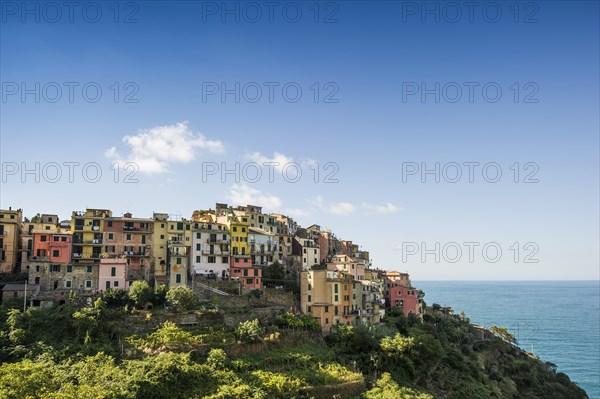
point(387, 388)
point(217, 359)
point(115, 297)
point(160, 294)
point(140, 293)
point(249, 331)
point(274, 274)
point(181, 298)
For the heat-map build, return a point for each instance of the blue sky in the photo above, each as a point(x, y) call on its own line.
point(365, 57)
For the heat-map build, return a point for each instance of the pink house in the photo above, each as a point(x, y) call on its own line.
point(113, 274)
point(242, 269)
point(56, 246)
point(400, 293)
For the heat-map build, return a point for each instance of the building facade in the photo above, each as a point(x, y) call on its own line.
point(10, 239)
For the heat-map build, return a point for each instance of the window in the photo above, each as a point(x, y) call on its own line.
point(55, 268)
point(69, 268)
point(198, 259)
point(308, 309)
point(63, 239)
point(335, 288)
point(326, 320)
point(37, 268)
point(162, 236)
point(107, 284)
point(212, 259)
point(179, 226)
point(113, 271)
point(255, 272)
point(55, 253)
point(198, 247)
point(336, 310)
point(55, 238)
point(89, 269)
point(234, 228)
point(249, 281)
point(37, 280)
point(243, 229)
point(109, 223)
point(304, 250)
point(336, 298)
point(245, 272)
point(309, 286)
point(111, 236)
point(309, 298)
point(187, 226)
point(179, 261)
point(128, 237)
point(162, 225)
point(326, 309)
point(225, 259)
point(315, 251)
point(224, 237)
point(43, 238)
point(88, 283)
point(178, 278)
point(198, 235)
point(68, 284)
point(116, 284)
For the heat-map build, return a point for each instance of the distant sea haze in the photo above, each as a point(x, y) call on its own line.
point(559, 321)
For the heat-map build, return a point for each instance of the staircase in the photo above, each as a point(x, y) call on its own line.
point(205, 287)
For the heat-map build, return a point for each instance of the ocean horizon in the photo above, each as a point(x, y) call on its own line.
point(558, 321)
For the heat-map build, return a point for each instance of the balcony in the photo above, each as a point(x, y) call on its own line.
point(215, 252)
point(93, 242)
point(217, 241)
point(39, 258)
point(133, 253)
point(77, 256)
point(132, 229)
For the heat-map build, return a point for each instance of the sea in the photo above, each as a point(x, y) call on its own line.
point(558, 321)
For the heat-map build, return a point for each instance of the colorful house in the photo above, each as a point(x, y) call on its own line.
point(130, 238)
point(10, 239)
point(328, 296)
point(113, 274)
point(211, 248)
point(400, 293)
point(159, 248)
point(346, 264)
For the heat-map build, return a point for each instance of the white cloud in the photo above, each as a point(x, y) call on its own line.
point(243, 194)
point(296, 212)
point(348, 208)
point(384, 209)
point(335, 208)
point(155, 149)
point(279, 158)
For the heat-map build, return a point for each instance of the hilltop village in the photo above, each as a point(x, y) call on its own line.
point(95, 251)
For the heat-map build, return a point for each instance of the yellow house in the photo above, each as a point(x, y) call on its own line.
point(159, 247)
point(87, 228)
point(238, 224)
point(179, 236)
point(10, 239)
point(328, 296)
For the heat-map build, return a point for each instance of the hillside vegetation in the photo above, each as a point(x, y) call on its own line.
point(111, 350)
